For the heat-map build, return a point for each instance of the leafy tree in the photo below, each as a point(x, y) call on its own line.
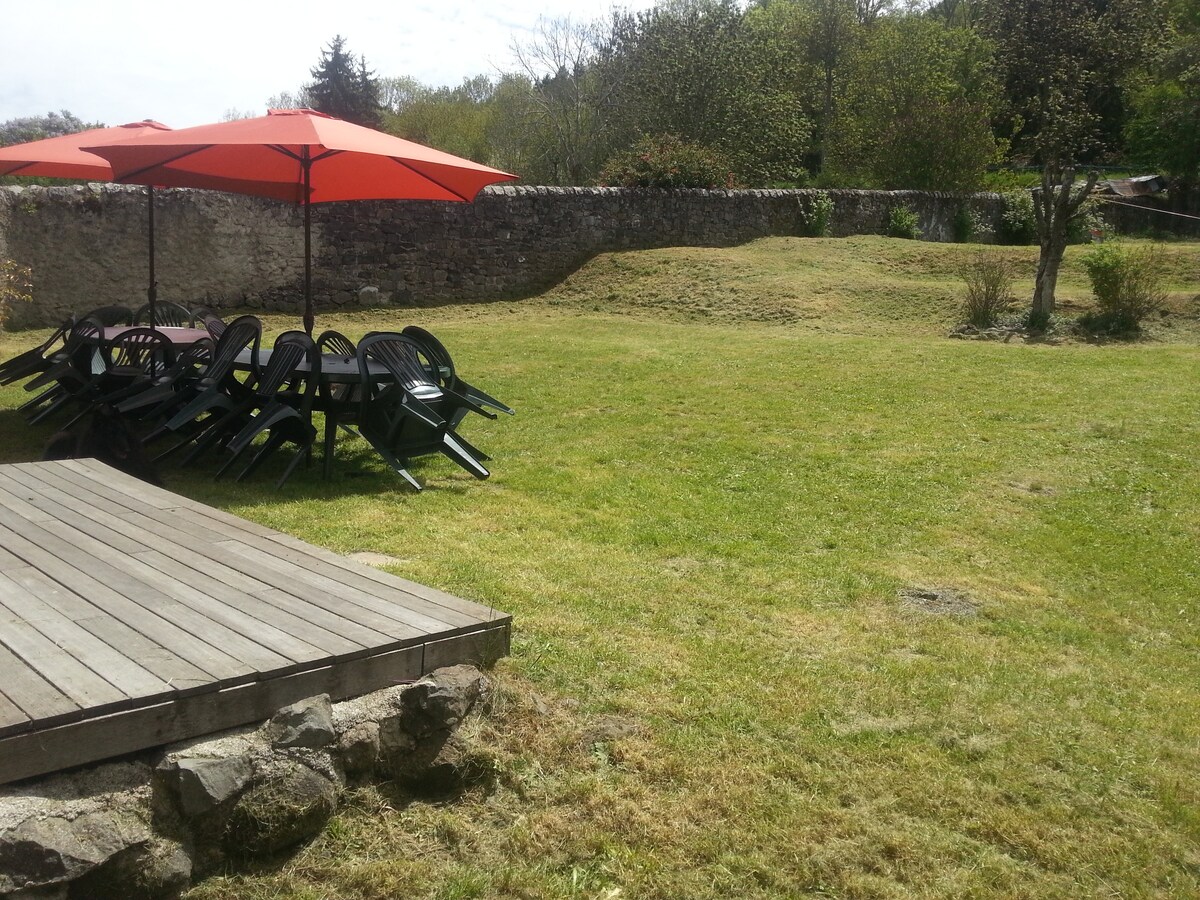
point(1061, 61)
point(824, 33)
point(456, 120)
point(702, 70)
point(344, 87)
point(36, 128)
point(1164, 129)
point(916, 107)
point(298, 99)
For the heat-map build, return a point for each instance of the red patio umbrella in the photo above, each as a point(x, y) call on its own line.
point(301, 156)
point(64, 157)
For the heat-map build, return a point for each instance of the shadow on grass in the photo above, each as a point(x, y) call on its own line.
point(22, 442)
point(357, 472)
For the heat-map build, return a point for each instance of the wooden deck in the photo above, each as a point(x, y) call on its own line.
point(131, 617)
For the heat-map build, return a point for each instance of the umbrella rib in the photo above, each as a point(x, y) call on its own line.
point(163, 162)
point(417, 171)
point(280, 148)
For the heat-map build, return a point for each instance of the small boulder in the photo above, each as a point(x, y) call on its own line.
point(158, 869)
point(204, 784)
point(308, 724)
point(439, 702)
point(40, 852)
point(292, 804)
point(359, 749)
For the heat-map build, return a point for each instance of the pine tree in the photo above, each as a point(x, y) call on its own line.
point(343, 86)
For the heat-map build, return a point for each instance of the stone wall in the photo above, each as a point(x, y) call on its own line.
point(87, 244)
point(147, 826)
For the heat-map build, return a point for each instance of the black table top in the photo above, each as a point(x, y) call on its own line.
point(335, 368)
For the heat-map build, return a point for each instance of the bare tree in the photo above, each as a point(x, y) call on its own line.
point(567, 96)
point(867, 11)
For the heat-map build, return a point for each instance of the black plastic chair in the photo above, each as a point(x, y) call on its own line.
point(134, 358)
point(166, 390)
point(218, 391)
point(166, 314)
point(338, 401)
point(213, 324)
point(281, 407)
point(75, 377)
point(398, 416)
point(37, 359)
point(446, 375)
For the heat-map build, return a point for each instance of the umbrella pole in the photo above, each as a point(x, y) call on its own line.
point(306, 162)
point(152, 290)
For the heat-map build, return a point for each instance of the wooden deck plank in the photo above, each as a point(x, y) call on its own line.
point(437, 604)
point(437, 616)
point(86, 579)
point(266, 614)
point(177, 673)
point(157, 595)
point(54, 504)
point(383, 618)
point(369, 578)
point(100, 476)
point(12, 720)
point(19, 605)
point(325, 613)
point(33, 694)
point(9, 561)
point(320, 581)
point(71, 677)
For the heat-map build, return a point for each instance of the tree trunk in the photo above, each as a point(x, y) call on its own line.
point(1054, 206)
point(1049, 261)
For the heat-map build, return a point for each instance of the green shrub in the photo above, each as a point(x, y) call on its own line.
point(989, 281)
point(1018, 224)
point(1128, 284)
point(967, 225)
point(816, 212)
point(667, 161)
point(903, 223)
point(15, 287)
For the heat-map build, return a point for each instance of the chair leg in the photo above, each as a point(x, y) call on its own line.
point(331, 427)
point(51, 409)
point(46, 395)
point(398, 466)
point(272, 443)
point(304, 451)
point(452, 448)
point(471, 448)
point(233, 457)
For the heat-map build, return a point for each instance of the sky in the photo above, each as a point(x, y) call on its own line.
point(189, 64)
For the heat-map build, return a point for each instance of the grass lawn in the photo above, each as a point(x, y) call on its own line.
point(725, 468)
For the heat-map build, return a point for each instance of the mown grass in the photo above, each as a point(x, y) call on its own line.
point(701, 518)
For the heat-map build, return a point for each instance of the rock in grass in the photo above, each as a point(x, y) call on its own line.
point(292, 804)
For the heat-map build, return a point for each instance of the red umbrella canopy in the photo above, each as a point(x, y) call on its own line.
point(268, 156)
point(64, 156)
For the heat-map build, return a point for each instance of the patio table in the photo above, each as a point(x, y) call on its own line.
point(180, 337)
point(335, 369)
